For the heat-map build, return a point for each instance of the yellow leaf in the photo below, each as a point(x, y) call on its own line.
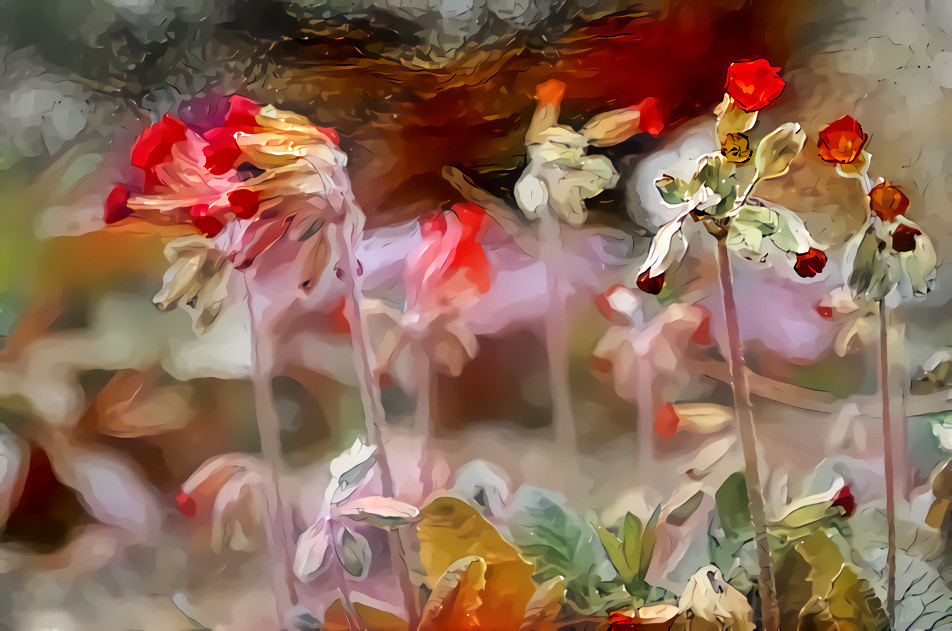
point(450, 530)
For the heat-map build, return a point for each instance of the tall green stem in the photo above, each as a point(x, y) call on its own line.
point(766, 585)
point(888, 458)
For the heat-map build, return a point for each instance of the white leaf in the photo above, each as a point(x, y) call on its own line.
point(313, 548)
point(13, 460)
point(348, 470)
point(531, 194)
point(778, 149)
point(382, 512)
point(668, 246)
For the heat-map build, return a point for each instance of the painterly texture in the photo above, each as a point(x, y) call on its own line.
point(432, 316)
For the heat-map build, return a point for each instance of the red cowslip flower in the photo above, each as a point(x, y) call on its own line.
point(650, 284)
point(228, 167)
point(753, 84)
point(186, 504)
point(117, 207)
point(845, 500)
point(451, 258)
point(810, 263)
point(841, 141)
point(887, 201)
point(666, 421)
point(904, 238)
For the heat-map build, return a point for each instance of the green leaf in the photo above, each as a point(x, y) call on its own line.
point(790, 234)
point(778, 149)
point(672, 190)
point(613, 547)
point(873, 276)
point(749, 226)
point(631, 540)
point(681, 514)
point(648, 540)
point(733, 507)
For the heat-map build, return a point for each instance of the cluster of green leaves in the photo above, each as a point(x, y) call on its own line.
point(810, 546)
point(560, 542)
point(630, 552)
point(877, 268)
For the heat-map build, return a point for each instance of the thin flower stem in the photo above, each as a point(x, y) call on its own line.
point(422, 421)
point(278, 527)
point(888, 458)
point(556, 335)
point(349, 237)
point(770, 609)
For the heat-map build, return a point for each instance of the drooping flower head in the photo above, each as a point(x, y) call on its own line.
point(841, 141)
point(241, 165)
point(753, 85)
point(450, 263)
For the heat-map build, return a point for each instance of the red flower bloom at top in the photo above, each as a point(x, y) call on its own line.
point(451, 260)
point(841, 141)
point(753, 85)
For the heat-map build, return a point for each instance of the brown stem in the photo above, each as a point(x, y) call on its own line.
point(888, 457)
point(556, 335)
point(745, 424)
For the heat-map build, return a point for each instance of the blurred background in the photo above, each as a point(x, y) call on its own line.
point(108, 405)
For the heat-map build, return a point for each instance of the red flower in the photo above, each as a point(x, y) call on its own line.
point(845, 500)
point(887, 201)
point(650, 284)
point(651, 120)
point(155, 144)
point(824, 311)
point(186, 504)
point(451, 252)
point(753, 84)
point(810, 263)
point(117, 207)
point(221, 152)
point(666, 421)
point(841, 141)
point(904, 238)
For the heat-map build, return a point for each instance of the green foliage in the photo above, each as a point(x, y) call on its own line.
point(630, 553)
point(560, 543)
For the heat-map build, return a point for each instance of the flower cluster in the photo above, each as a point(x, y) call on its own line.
point(890, 251)
point(720, 193)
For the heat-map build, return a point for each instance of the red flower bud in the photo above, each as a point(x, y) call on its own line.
point(845, 500)
point(753, 84)
point(666, 421)
point(841, 141)
point(824, 311)
point(186, 504)
point(116, 207)
point(810, 263)
point(702, 335)
point(221, 152)
point(650, 284)
point(904, 238)
point(244, 202)
point(887, 201)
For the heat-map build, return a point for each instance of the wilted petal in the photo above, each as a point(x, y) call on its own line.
point(313, 549)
